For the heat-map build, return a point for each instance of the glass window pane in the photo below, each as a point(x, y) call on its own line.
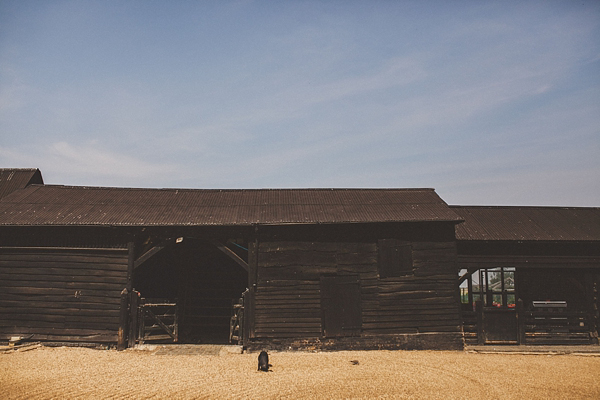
point(495, 279)
point(497, 300)
point(511, 300)
point(475, 280)
point(509, 280)
point(464, 295)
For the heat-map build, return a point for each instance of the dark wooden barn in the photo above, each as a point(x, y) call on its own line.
point(529, 275)
point(304, 269)
point(291, 268)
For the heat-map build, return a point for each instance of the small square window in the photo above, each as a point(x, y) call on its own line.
point(394, 258)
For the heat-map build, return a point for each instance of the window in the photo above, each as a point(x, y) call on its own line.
point(394, 258)
point(495, 287)
point(340, 305)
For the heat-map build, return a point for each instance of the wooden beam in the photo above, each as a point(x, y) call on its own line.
point(162, 324)
point(526, 261)
point(122, 334)
point(130, 265)
point(480, 329)
point(465, 276)
point(133, 317)
point(147, 255)
point(231, 254)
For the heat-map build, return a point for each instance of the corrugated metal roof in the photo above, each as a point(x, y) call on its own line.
point(67, 205)
point(528, 223)
point(12, 179)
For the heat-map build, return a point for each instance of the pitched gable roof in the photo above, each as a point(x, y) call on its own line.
point(68, 205)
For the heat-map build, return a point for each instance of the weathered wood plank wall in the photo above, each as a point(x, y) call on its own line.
point(288, 299)
point(425, 301)
point(61, 294)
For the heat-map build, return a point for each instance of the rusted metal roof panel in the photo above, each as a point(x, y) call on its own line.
point(528, 223)
point(67, 205)
point(12, 179)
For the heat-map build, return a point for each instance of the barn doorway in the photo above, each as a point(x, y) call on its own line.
point(488, 299)
point(202, 279)
point(528, 305)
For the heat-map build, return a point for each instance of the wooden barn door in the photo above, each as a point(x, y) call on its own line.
point(340, 305)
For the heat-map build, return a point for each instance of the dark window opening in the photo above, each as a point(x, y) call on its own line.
point(394, 258)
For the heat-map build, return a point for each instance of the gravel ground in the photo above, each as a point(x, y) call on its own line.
point(68, 373)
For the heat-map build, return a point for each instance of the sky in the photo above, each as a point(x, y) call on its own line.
point(488, 102)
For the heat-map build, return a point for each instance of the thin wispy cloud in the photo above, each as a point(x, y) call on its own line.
point(489, 103)
point(89, 162)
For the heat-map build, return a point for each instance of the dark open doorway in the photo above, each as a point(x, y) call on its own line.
point(202, 280)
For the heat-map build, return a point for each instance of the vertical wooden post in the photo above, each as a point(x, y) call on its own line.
point(480, 332)
point(127, 311)
point(124, 314)
point(248, 325)
point(141, 321)
point(252, 263)
point(470, 289)
point(133, 313)
point(130, 265)
point(520, 322)
point(590, 298)
point(250, 297)
point(243, 332)
point(596, 306)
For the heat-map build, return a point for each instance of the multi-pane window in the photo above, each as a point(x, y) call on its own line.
point(495, 287)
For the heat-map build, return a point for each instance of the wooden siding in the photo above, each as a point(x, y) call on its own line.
point(288, 309)
point(61, 294)
point(425, 301)
point(288, 293)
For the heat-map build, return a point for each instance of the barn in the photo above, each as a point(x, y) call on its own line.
point(529, 275)
point(317, 269)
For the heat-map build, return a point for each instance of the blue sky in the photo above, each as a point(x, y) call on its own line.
point(488, 102)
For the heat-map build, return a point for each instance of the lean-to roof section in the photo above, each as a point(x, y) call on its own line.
point(528, 223)
point(68, 205)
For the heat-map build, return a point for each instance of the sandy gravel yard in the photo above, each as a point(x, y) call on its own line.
point(68, 373)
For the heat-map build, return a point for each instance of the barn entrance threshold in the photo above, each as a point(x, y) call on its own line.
point(190, 349)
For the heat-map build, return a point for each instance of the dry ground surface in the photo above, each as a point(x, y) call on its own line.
point(68, 373)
